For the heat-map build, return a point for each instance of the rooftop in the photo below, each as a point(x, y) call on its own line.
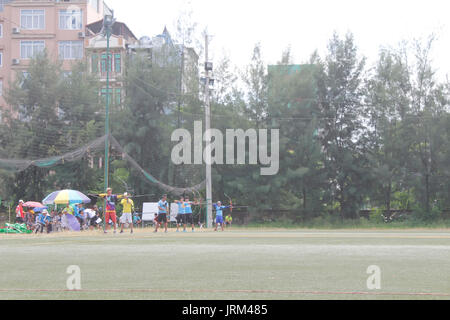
point(119, 29)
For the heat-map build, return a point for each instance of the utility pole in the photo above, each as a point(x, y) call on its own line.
point(180, 97)
point(108, 21)
point(208, 67)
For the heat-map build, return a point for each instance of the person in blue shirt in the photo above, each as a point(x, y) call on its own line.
point(163, 210)
point(188, 216)
point(78, 211)
point(136, 219)
point(40, 222)
point(219, 214)
point(180, 215)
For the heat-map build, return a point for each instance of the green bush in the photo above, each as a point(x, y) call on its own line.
point(376, 216)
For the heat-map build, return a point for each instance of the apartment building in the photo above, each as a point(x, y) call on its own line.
point(184, 56)
point(27, 27)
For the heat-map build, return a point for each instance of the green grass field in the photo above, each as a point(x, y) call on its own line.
point(238, 264)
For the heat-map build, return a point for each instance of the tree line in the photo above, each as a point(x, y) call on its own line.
point(352, 136)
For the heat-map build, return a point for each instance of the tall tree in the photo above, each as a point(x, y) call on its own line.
point(340, 94)
point(54, 114)
point(387, 104)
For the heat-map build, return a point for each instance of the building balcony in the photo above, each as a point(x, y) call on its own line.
point(33, 35)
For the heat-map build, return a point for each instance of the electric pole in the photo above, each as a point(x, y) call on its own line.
point(108, 21)
point(107, 25)
point(208, 67)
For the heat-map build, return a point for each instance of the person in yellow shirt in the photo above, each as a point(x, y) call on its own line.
point(127, 212)
point(68, 210)
point(228, 220)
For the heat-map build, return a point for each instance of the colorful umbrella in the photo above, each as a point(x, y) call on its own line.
point(32, 204)
point(66, 197)
point(71, 222)
point(37, 210)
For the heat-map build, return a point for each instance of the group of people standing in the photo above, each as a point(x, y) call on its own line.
point(185, 215)
point(110, 210)
point(39, 219)
point(89, 218)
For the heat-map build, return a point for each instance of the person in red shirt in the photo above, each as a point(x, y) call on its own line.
point(20, 216)
point(110, 210)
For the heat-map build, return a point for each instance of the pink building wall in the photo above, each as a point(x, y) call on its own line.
point(51, 34)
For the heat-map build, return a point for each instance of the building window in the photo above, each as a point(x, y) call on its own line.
point(1, 30)
point(114, 96)
point(29, 49)
point(1, 59)
point(94, 63)
point(95, 5)
point(32, 19)
point(117, 63)
point(23, 114)
point(70, 19)
point(105, 62)
point(70, 50)
point(25, 77)
point(107, 94)
point(2, 4)
point(118, 96)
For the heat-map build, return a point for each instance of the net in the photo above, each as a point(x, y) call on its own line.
point(97, 145)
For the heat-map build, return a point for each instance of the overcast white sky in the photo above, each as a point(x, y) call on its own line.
point(304, 25)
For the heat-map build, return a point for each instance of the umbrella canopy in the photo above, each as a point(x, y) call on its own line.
point(66, 197)
point(32, 204)
point(71, 222)
point(37, 210)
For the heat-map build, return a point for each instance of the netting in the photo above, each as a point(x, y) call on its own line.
point(151, 178)
point(16, 166)
point(97, 145)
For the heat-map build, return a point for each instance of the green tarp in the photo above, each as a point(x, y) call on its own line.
point(15, 228)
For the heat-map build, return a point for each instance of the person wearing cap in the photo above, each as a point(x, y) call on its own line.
point(219, 214)
point(110, 209)
point(20, 215)
point(48, 221)
point(127, 212)
point(136, 219)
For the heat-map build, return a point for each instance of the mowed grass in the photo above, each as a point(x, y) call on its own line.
point(236, 264)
